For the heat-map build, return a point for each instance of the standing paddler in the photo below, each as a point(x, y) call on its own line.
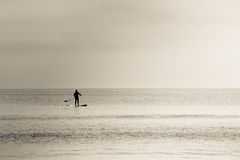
point(76, 97)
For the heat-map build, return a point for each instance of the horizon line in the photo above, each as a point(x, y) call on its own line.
point(200, 88)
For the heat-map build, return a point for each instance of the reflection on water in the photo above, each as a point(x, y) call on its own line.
point(37, 124)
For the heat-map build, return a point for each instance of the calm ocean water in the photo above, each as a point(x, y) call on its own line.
point(120, 124)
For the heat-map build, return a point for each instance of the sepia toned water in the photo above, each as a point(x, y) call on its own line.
point(120, 124)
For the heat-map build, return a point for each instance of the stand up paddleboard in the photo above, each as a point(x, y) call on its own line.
point(83, 105)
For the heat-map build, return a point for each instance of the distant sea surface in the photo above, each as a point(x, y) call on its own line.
point(120, 124)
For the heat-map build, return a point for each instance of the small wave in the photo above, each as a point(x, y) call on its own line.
point(155, 116)
point(119, 134)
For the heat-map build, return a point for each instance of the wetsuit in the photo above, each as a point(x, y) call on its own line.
point(76, 97)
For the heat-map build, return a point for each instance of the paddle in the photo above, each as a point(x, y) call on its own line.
point(68, 100)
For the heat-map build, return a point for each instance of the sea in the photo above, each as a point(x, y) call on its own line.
point(120, 124)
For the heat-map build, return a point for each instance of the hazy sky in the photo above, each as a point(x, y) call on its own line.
point(119, 43)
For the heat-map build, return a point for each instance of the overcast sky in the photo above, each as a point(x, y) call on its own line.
point(119, 43)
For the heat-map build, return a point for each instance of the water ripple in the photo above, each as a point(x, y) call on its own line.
point(155, 116)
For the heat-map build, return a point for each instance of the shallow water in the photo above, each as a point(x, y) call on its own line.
point(120, 124)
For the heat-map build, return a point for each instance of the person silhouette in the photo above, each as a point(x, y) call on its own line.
point(76, 97)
